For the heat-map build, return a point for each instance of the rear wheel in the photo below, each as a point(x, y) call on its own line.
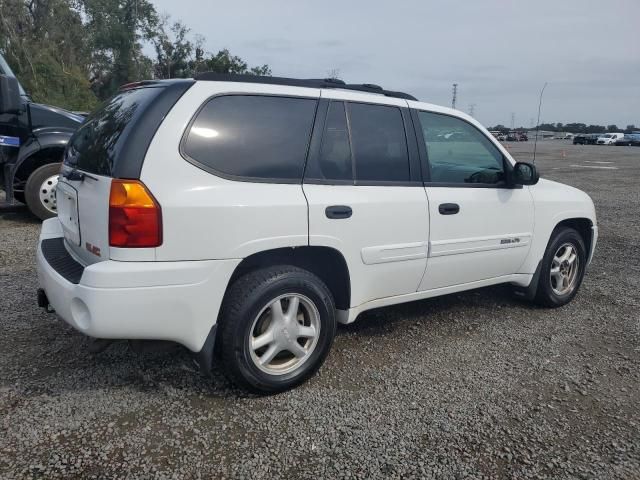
point(40, 191)
point(276, 328)
point(563, 268)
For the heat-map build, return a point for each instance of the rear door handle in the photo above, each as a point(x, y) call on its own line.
point(338, 211)
point(449, 208)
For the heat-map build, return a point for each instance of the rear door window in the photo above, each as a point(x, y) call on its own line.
point(379, 143)
point(334, 160)
point(252, 137)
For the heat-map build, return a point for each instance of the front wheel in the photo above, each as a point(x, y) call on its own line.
point(563, 267)
point(40, 191)
point(276, 328)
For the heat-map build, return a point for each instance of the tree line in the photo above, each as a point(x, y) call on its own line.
point(76, 53)
point(573, 128)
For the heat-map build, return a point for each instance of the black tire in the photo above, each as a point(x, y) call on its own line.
point(244, 301)
point(545, 295)
point(32, 190)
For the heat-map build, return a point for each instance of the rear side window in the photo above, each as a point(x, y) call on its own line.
point(379, 143)
point(334, 161)
point(95, 146)
point(251, 136)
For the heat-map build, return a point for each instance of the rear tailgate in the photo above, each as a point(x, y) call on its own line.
point(84, 214)
point(111, 143)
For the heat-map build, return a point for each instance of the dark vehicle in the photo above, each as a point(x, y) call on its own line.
point(32, 141)
point(630, 139)
point(512, 137)
point(522, 137)
point(586, 139)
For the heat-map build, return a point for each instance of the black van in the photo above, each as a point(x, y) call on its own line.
point(32, 141)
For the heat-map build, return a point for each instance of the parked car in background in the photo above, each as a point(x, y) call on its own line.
point(629, 139)
point(512, 137)
point(522, 137)
point(33, 137)
point(609, 138)
point(586, 138)
point(244, 216)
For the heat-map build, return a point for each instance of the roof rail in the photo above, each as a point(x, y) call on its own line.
point(298, 82)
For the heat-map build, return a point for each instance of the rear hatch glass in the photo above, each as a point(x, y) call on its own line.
point(95, 146)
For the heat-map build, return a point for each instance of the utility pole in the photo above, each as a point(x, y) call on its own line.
point(513, 120)
point(472, 108)
point(455, 95)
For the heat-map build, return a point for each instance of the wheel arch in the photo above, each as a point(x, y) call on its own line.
point(584, 226)
point(325, 262)
point(38, 154)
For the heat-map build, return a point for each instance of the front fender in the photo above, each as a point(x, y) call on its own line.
point(555, 202)
point(42, 140)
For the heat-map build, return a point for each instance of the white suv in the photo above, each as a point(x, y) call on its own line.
point(246, 216)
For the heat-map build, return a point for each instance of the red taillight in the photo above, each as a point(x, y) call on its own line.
point(135, 219)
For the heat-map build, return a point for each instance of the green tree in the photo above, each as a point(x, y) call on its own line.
point(575, 127)
point(595, 129)
point(43, 42)
point(116, 30)
point(173, 51)
point(612, 128)
point(74, 53)
point(224, 62)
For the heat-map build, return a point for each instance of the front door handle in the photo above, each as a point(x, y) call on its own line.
point(449, 208)
point(338, 211)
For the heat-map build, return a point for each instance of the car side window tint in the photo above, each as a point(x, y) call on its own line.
point(252, 136)
point(458, 152)
point(379, 143)
point(334, 160)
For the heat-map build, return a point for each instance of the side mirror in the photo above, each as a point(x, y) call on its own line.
point(525, 174)
point(10, 101)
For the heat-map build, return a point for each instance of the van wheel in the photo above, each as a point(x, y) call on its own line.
point(276, 328)
point(563, 268)
point(40, 191)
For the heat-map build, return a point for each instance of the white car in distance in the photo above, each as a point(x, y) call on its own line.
point(244, 217)
point(609, 138)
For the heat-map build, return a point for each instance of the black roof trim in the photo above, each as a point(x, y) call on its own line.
point(298, 82)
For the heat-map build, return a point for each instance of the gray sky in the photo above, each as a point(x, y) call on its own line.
point(500, 52)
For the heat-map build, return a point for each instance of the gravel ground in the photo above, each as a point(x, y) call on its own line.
point(472, 385)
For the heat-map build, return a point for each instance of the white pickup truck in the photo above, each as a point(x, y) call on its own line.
point(244, 216)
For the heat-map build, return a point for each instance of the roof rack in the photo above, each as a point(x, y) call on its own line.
point(297, 82)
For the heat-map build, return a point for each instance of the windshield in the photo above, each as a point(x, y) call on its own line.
point(6, 70)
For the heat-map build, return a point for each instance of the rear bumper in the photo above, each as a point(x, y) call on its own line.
point(176, 301)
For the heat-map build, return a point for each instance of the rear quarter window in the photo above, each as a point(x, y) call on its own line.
point(265, 138)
